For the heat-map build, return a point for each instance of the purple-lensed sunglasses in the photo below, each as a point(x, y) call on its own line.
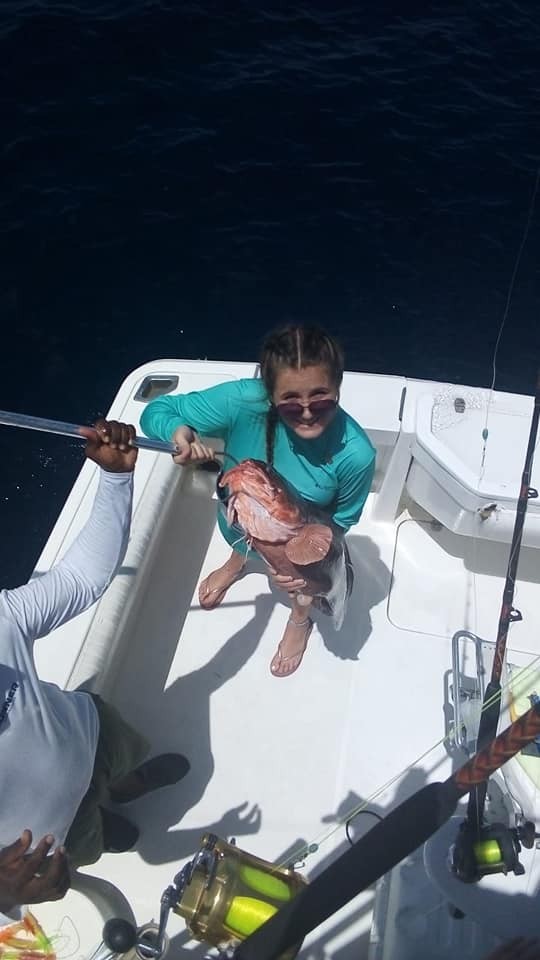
point(295, 410)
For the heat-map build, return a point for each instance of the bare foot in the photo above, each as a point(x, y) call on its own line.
point(292, 647)
point(213, 588)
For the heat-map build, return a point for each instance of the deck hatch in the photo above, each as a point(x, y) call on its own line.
point(153, 387)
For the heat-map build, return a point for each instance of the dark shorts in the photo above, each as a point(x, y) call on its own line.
point(120, 750)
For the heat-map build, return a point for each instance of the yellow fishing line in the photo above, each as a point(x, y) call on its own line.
point(246, 914)
point(265, 883)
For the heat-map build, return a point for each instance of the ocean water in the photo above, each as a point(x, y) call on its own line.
point(177, 178)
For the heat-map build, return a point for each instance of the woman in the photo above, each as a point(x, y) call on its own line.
point(291, 418)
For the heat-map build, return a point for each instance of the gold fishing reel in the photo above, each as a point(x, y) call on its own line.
point(224, 894)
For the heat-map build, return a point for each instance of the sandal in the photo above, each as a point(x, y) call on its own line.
point(279, 660)
point(212, 598)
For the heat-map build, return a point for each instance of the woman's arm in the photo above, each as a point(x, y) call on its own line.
point(208, 412)
point(355, 476)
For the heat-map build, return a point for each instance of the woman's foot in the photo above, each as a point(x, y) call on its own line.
point(292, 647)
point(213, 588)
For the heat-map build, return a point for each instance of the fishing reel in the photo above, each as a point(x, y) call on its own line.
point(493, 849)
point(224, 894)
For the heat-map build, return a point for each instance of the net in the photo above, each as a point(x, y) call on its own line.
point(453, 405)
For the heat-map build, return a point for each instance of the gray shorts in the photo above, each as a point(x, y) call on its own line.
point(120, 750)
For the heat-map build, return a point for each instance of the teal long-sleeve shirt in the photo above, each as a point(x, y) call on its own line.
point(334, 471)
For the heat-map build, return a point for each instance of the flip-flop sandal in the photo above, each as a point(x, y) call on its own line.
point(217, 593)
point(279, 659)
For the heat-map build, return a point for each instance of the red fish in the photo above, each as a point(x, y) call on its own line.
point(295, 537)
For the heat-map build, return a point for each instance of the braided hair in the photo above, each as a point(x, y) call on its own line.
point(295, 347)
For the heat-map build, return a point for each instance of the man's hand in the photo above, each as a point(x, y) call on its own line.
point(32, 877)
point(108, 445)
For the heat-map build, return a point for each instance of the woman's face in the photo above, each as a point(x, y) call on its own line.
point(306, 400)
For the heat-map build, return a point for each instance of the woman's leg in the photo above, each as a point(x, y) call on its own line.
point(213, 588)
point(292, 646)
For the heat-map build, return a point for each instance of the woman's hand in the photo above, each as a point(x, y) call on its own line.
point(190, 448)
point(289, 584)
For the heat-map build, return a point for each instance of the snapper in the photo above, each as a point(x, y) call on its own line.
point(295, 537)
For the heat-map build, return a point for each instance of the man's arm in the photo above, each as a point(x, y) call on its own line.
point(87, 568)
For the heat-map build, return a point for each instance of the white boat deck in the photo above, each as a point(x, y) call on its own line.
point(279, 763)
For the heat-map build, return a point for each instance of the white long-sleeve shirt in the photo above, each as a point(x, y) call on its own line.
point(48, 736)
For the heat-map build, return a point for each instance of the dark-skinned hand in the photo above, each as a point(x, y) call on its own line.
point(108, 445)
point(32, 877)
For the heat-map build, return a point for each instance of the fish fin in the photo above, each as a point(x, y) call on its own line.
point(310, 545)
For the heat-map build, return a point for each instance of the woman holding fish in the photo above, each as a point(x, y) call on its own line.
point(304, 470)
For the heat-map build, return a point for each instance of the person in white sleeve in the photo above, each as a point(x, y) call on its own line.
point(64, 754)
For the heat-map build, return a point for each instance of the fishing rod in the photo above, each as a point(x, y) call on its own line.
point(64, 429)
point(405, 829)
point(475, 837)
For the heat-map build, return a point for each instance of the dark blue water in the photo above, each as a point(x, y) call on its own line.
point(175, 180)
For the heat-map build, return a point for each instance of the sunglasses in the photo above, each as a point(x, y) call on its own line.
point(295, 410)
